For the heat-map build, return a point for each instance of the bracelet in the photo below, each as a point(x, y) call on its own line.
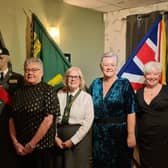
point(31, 146)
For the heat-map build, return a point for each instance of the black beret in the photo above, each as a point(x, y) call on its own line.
point(4, 51)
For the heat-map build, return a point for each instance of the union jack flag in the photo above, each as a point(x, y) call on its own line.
point(151, 48)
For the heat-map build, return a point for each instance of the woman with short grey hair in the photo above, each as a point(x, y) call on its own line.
point(32, 122)
point(114, 123)
point(152, 118)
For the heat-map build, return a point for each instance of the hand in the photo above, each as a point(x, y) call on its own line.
point(59, 142)
point(19, 149)
point(28, 148)
point(68, 144)
point(131, 140)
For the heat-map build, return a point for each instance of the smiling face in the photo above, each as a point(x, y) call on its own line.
point(73, 80)
point(109, 66)
point(152, 78)
point(33, 73)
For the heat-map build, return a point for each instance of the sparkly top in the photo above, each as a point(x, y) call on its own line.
point(31, 105)
point(118, 102)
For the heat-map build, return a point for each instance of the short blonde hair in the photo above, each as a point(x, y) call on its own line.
point(65, 80)
point(148, 67)
point(109, 55)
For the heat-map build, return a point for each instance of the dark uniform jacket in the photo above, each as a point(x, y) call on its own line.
point(11, 82)
point(8, 85)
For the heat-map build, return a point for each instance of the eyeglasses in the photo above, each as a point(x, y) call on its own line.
point(34, 70)
point(73, 77)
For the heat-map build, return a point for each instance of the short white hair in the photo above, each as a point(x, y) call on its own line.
point(109, 55)
point(148, 67)
point(33, 60)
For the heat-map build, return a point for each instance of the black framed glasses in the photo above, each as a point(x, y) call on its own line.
point(75, 77)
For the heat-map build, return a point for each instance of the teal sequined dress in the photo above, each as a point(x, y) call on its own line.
point(110, 148)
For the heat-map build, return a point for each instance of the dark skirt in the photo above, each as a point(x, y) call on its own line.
point(80, 155)
point(37, 159)
point(153, 151)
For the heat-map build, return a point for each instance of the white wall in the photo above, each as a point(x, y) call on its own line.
point(115, 28)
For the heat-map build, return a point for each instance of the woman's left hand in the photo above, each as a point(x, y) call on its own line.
point(131, 140)
point(28, 148)
point(67, 144)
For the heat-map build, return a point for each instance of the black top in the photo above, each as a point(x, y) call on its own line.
point(153, 118)
point(31, 105)
point(152, 129)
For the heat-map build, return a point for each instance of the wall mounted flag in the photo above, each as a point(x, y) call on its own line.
point(151, 48)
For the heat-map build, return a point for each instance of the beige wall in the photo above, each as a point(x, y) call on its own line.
point(115, 28)
point(81, 31)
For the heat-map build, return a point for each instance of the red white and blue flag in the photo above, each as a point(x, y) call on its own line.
point(151, 48)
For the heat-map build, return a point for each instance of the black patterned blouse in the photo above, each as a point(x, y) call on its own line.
point(31, 105)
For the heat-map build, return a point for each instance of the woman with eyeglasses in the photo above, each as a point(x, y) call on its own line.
point(73, 137)
point(32, 122)
point(114, 123)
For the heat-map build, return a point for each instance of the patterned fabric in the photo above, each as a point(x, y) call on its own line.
point(110, 139)
point(31, 105)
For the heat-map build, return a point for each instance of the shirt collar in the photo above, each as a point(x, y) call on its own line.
point(74, 92)
point(5, 72)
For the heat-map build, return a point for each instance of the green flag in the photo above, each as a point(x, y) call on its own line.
point(44, 47)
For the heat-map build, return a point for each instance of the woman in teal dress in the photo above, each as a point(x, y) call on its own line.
point(114, 123)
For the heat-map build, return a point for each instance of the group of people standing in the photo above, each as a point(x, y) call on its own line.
point(75, 128)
